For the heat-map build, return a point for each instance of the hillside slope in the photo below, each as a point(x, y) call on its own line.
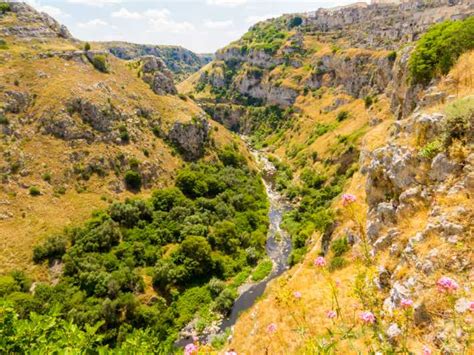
point(182, 62)
point(341, 102)
point(74, 124)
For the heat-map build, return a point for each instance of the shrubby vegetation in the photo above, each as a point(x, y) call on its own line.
point(264, 36)
point(99, 61)
point(136, 273)
point(439, 48)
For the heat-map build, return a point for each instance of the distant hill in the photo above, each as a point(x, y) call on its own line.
point(181, 61)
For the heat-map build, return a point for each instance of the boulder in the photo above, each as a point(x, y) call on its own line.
point(442, 167)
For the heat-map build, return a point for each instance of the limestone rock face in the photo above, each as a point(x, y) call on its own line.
point(157, 75)
point(33, 24)
point(392, 170)
point(373, 73)
point(442, 167)
point(191, 138)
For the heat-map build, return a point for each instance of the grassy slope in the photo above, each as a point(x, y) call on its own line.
point(310, 311)
point(54, 81)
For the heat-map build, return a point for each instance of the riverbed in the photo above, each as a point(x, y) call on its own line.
point(278, 249)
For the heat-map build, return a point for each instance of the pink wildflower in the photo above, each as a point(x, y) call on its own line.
point(348, 199)
point(446, 284)
point(331, 314)
point(190, 349)
point(297, 294)
point(471, 306)
point(320, 261)
point(426, 350)
point(406, 303)
point(231, 352)
point(272, 328)
point(367, 317)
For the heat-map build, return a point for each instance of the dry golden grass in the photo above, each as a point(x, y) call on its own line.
point(53, 81)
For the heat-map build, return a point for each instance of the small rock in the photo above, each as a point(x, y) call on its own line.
point(421, 315)
point(393, 331)
point(462, 305)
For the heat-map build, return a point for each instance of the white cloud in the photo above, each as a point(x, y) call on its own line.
point(50, 10)
point(125, 14)
point(229, 3)
point(161, 21)
point(97, 3)
point(257, 18)
point(217, 25)
point(97, 22)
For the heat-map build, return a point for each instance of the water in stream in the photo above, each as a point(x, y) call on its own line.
point(278, 249)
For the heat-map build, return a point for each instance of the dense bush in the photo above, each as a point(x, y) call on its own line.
point(3, 119)
point(439, 48)
point(295, 22)
point(99, 61)
point(340, 246)
point(4, 7)
point(189, 240)
point(459, 124)
point(337, 263)
point(342, 115)
point(34, 191)
point(53, 248)
point(133, 180)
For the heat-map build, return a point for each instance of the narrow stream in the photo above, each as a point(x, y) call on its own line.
point(278, 249)
point(278, 246)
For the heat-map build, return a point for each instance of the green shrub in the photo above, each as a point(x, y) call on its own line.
point(124, 136)
point(439, 48)
point(3, 44)
point(262, 270)
point(341, 116)
point(4, 7)
point(8, 285)
point(392, 56)
point(295, 22)
point(430, 150)
point(46, 177)
point(340, 246)
point(22, 280)
point(133, 180)
point(53, 248)
point(459, 124)
point(337, 263)
point(4, 119)
point(99, 61)
point(34, 191)
point(368, 101)
point(87, 46)
point(224, 302)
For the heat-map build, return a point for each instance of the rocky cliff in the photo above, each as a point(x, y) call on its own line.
point(182, 62)
point(378, 167)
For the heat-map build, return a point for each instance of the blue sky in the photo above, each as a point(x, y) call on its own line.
point(199, 25)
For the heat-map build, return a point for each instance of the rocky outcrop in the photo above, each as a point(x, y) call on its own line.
point(17, 101)
point(374, 73)
point(385, 25)
point(255, 57)
point(33, 24)
point(156, 74)
point(190, 138)
point(180, 61)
